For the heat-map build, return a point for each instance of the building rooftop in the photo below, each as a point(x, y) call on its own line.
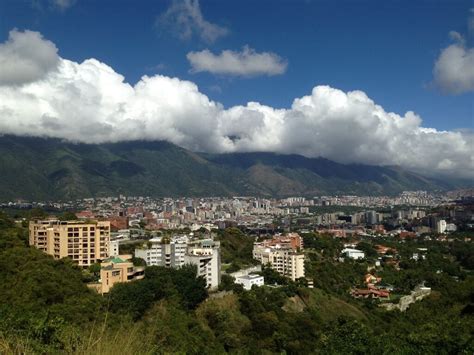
point(115, 260)
point(249, 277)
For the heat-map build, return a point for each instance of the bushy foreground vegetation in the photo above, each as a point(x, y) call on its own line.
point(45, 307)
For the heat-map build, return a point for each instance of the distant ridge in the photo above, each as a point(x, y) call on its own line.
point(45, 168)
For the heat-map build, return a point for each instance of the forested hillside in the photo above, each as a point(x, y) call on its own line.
point(45, 307)
point(46, 169)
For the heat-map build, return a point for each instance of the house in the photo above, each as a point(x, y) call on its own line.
point(249, 280)
point(370, 293)
point(371, 279)
point(116, 270)
point(382, 249)
point(353, 253)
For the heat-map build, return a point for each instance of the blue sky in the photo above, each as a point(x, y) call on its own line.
point(386, 49)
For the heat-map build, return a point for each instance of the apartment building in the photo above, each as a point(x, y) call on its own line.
point(178, 251)
point(116, 270)
point(164, 251)
point(284, 260)
point(84, 242)
point(114, 248)
point(283, 254)
point(205, 254)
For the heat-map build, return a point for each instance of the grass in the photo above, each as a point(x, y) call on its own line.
point(328, 307)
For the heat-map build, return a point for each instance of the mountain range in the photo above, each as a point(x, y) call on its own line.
point(47, 169)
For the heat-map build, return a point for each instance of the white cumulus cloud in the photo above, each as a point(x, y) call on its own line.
point(454, 69)
point(26, 57)
point(184, 19)
point(248, 62)
point(90, 102)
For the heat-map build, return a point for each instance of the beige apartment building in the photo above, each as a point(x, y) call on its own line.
point(284, 260)
point(84, 242)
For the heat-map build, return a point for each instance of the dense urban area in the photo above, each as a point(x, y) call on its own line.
point(329, 274)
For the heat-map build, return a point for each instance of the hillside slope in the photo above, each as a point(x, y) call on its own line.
point(38, 168)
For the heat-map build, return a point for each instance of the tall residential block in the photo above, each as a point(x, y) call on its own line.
point(441, 226)
point(205, 254)
point(84, 242)
point(283, 254)
point(284, 260)
point(178, 251)
point(164, 251)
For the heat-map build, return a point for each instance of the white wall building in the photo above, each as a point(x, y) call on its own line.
point(244, 272)
point(114, 248)
point(353, 253)
point(178, 251)
point(441, 226)
point(249, 280)
point(164, 251)
point(451, 227)
point(205, 254)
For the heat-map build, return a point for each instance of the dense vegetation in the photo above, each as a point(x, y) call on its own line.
point(38, 168)
point(236, 248)
point(45, 307)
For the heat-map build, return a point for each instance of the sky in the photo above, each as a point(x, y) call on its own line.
point(387, 83)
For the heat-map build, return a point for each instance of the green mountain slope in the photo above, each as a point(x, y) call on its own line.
point(38, 168)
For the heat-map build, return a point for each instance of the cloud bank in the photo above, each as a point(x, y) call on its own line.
point(90, 102)
point(185, 20)
point(245, 63)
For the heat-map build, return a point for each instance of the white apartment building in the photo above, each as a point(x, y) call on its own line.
point(284, 260)
point(441, 226)
point(205, 254)
point(164, 251)
point(114, 248)
point(179, 251)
